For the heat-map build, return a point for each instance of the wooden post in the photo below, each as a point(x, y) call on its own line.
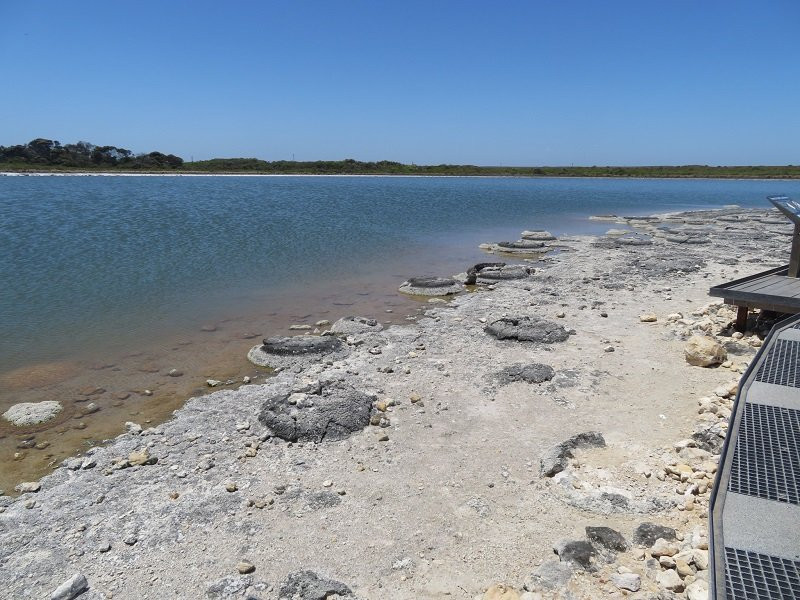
point(741, 319)
point(794, 261)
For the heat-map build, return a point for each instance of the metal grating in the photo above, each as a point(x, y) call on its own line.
point(781, 366)
point(766, 463)
point(752, 576)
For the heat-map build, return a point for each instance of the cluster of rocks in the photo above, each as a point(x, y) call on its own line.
point(530, 243)
point(657, 562)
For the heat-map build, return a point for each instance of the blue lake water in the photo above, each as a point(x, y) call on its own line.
point(90, 262)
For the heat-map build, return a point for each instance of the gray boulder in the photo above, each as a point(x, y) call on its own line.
point(229, 587)
point(710, 437)
point(556, 458)
point(646, 534)
point(550, 575)
point(527, 329)
point(333, 414)
point(430, 286)
point(607, 538)
point(307, 585)
point(579, 553)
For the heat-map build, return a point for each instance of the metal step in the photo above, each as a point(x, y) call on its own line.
point(754, 516)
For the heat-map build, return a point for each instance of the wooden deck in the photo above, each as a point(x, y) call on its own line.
point(770, 290)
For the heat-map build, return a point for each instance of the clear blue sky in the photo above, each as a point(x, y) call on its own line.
point(524, 83)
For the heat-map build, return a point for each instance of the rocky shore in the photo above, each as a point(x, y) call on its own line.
point(548, 429)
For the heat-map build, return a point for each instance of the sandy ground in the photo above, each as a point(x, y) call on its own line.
point(446, 499)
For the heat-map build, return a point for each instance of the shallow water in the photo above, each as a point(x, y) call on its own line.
point(110, 282)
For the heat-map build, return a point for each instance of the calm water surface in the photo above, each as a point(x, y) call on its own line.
point(94, 261)
point(109, 282)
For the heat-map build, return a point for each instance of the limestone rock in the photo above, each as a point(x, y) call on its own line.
point(556, 458)
point(697, 590)
point(26, 414)
point(549, 576)
point(245, 567)
point(141, 457)
point(28, 487)
point(670, 580)
point(307, 585)
point(663, 548)
point(627, 581)
point(703, 351)
point(71, 588)
point(501, 592)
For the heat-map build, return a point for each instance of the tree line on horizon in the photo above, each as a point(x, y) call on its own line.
point(42, 152)
point(48, 155)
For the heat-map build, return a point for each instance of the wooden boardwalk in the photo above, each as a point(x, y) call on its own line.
point(754, 516)
point(770, 290)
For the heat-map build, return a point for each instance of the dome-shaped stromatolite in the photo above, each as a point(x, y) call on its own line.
point(539, 234)
point(505, 272)
point(497, 271)
point(520, 246)
point(431, 286)
point(527, 329)
point(333, 414)
point(285, 351)
point(355, 326)
point(532, 373)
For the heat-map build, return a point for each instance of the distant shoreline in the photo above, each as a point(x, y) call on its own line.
point(398, 175)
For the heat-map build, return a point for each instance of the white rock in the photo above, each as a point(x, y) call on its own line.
point(648, 318)
point(697, 590)
point(663, 548)
point(627, 581)
point(27, 487)
point(702, 351)
point(670, 580)
point(26, 414)
point(700, 559)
